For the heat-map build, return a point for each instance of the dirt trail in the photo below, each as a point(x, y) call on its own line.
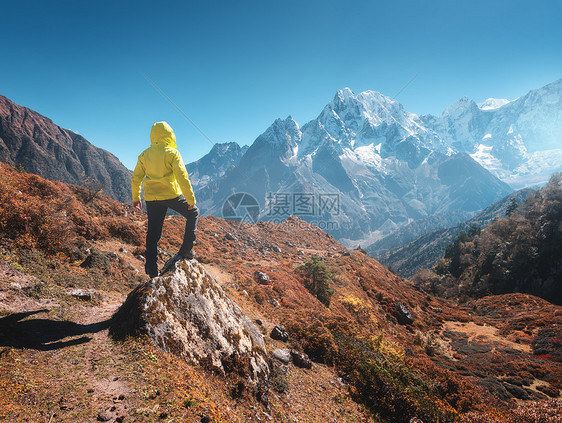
point(42, 330)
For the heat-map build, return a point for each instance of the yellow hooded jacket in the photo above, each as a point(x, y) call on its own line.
point(162, 168)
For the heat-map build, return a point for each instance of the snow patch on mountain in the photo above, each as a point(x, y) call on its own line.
point(493, 103)
point(484, 156)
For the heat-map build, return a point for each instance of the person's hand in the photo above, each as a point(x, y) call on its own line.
point(137, 205)
point(190, 206)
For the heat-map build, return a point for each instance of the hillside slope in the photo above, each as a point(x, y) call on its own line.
point(518, 253)
point(424, 251)
point(373, 338)
point(42, 147)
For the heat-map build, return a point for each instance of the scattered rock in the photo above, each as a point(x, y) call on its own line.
point(230, 237)
point(301, 360)
point(96, 260)
point(15, 285)
point(104, 416)
point(283, 355)
point(273, 302)
point(261, 278)
point(300, 253)
point(123, 250)
point(112, 256)
point(187, 313)
point(402, 314)
point(83, 294)
point(346, 254)
point(276, 249)
point(279, 334)
point(140, 257)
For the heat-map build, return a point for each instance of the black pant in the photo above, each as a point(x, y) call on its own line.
point(156, 211)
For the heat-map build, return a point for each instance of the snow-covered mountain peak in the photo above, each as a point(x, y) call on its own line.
point(493, 103)
point(366, 100)
point(343, 94)
point(356, 112)
point(282, 133)
point(460, 107)
point(222, 148)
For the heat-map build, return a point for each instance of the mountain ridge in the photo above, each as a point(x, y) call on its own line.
point(424, 251)
point(35, 142)
point(381, 171)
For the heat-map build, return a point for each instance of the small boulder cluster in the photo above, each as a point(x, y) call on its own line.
point(284, 355)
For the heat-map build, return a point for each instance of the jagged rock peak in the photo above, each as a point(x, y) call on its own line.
point(460, 106)
point(282, 133)
point(344, 94)
point(188, 314)
point(222, 148)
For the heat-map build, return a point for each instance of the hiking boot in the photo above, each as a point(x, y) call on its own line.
point(171, 263)
point(188, 255)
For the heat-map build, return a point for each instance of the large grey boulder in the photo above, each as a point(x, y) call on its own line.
point(188, 314)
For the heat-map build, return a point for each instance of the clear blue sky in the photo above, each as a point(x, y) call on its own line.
point(234, 67)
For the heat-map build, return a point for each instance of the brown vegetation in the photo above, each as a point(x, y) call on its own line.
point(435, 365)
point(519, 253)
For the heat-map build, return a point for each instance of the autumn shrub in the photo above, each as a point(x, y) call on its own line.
point(50, 216)
point(32, 222)
point(126, 230)
point(314, 336)
point(548, 341)
point(387, 386)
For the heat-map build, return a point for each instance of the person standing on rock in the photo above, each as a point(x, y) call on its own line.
point(165, 180)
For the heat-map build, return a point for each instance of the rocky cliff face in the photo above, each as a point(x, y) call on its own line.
point(42, 147)
point(188, 314)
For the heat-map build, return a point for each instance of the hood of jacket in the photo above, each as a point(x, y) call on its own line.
point(162, 134)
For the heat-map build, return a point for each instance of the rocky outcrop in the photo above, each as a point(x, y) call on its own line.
point(188, 314)
point(41, 147)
